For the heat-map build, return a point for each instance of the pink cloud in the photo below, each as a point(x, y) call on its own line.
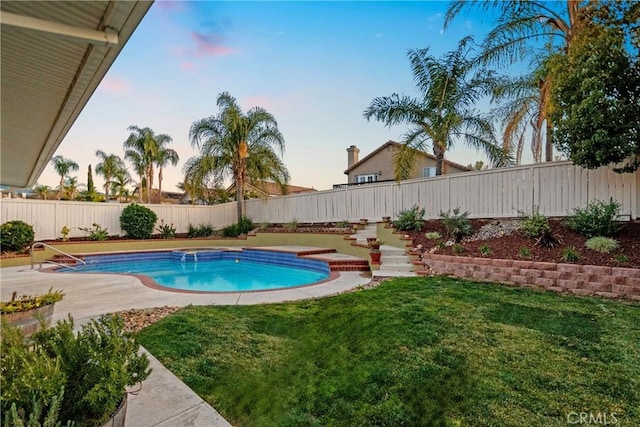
point(188, 66)
point(170, 5)
point(210, 44)
point(114, 85)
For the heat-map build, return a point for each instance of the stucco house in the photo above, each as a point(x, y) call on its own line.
point(378, 165)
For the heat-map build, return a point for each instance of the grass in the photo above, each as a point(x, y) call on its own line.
point(413, 351)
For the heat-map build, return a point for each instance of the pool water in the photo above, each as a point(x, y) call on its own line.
point(226, 272)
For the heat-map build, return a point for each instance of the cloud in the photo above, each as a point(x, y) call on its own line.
point(257, 101)
point(114, 85)
point(170, 5)
point(187, 66)
point(210, 45)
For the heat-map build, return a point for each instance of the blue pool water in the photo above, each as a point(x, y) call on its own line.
point(213, 271)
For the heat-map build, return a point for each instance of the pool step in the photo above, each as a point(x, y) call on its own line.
point(63, 259)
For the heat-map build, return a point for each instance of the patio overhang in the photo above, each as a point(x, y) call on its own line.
point(53, 57)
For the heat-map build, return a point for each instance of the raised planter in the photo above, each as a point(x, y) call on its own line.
point(119, 416)
point(29, 321)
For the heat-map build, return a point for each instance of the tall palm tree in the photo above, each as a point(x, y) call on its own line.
point(63, 167)
point(108, 168)
point(164, 157)
point(138, 165)
point(142, 147)
point(520, 29)
point(237, 145)
point(444, 111)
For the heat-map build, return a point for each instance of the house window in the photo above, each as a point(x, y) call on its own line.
point(429, 172)
point(372, 177)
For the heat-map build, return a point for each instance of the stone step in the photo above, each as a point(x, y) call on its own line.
point(389, 273)
point(396, 267)
point(394, 259)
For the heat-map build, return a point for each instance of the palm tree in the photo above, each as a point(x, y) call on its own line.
point(521, 27)
point(138, 165)
point(71, 186)
point(443, 113)
point(42, 191)
point(142, 149)
point(108, 168)
point(121, 179)
point(63, 167)
point(164, 157)
point(237, 145)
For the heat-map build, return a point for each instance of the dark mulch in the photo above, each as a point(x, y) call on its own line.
point(507, 247)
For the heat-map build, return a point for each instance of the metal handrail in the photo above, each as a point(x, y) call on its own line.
point(44, 245)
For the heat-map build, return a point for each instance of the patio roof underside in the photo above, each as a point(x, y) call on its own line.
point(54, 55)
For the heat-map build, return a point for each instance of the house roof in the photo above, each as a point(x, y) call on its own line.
point(273, 189)
point(53, 56)
point(398, 145)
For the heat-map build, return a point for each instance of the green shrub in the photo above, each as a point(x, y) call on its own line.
point(243, 226)
point(292, 225)
point(98, 363)
point(485, 250)
point(458, 248)
point(166, 231)
point(622, 258)
point(432, 235)
point(36, 417)
point(343, 224)
point(16, 236)
point(28, 375)
point(570, 254)
point(410, 219)
point(202, 230)
point(457, 224)
point(598, 218)
point(534, 224)
point(28, 302)
point(96, 233)
point(602, 244)
point(138, 221)
point(524, 252)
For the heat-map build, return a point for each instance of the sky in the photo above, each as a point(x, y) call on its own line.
point(315, 66)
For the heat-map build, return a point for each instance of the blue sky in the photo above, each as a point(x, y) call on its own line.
point(314, 65)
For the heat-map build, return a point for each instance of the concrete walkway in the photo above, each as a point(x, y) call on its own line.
point(164, 400)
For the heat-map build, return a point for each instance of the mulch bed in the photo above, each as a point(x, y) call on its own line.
point(508, 246)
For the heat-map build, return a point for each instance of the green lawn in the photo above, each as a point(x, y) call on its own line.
point(413, 351)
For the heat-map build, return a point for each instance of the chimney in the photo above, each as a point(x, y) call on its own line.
point(352, 156)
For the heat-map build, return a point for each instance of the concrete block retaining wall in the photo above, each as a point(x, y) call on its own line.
point(609, 282)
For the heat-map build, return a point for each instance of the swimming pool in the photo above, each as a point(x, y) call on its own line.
point(212, 270)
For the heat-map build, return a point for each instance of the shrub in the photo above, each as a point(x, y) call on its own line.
point(292, 225)
point(28, 302)
point(622, 258)
point(28, 375)
point(598, 218)
point(96, 233)
point(343, 224)
point(570, 254)
point(202, 230)
point(602, 244)
point(524, 252)
point(137, 221)
point(98, 363)
point(15, 236)
point(432, 235)
point(534, 224)
point(457, 224)
point(35, 417)
point(243, 226)
point(166, 231)
point(458, 248)
point(410, 219)
point(485, 250)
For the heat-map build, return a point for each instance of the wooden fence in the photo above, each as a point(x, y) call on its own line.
point(554, 188)
point(49, 216)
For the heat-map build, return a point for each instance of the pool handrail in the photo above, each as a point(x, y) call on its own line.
point(44, 245)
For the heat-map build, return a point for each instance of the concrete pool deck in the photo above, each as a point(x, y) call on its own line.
point(164, 400)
